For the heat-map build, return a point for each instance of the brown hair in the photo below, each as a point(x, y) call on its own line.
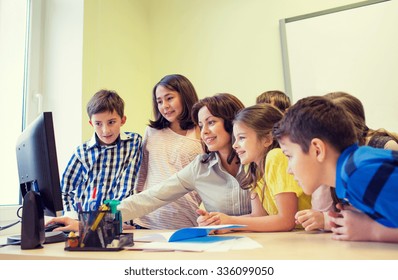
point(105, 101)
point(354, 107)
point(180, 84)
point(275, 97)
point(224, 106)
point(261, 118)
point(316, 117)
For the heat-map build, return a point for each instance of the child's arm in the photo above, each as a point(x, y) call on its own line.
point(287, 204)
point(317, 218)
point(352, 225)
point(259, 220)
point(214, 218)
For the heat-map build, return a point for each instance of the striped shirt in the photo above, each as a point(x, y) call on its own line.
point(97, 172)
point(165, 153)
point(368, 178)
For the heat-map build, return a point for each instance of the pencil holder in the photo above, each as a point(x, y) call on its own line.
point(100, 229)
point(97, 228)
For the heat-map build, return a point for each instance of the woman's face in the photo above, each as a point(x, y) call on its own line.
point(212, 131)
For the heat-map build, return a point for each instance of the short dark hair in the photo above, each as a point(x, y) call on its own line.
point(317, 117)
point(180, 84)
point(105, 101)
point(221, 105)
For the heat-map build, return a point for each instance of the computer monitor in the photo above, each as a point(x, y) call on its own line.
point(38, 178)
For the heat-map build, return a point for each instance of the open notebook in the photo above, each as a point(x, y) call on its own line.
point(191, 234)
point(193, 239)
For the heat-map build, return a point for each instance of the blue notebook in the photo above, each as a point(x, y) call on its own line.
point(185, 234)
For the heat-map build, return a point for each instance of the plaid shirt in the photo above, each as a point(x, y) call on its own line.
point(97, 172)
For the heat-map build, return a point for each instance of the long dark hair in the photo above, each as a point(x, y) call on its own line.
point(180, 84)
point(261, 118)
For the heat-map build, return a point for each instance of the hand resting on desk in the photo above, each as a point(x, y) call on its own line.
point(353, 225)
point(70, 224)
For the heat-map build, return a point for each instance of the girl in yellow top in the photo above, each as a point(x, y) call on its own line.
point(276, 196)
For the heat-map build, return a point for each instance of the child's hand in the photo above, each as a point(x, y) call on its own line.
point(350, 224)
point(310, 219)
point(333, 214)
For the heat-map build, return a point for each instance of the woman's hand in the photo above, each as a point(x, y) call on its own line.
point(211, 219)
point(207, 218)
point(70, 224)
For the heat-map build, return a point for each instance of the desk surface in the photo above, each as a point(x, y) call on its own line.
point(297, 245)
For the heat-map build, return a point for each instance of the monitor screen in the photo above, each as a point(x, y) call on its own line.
point(38, 178)
point(38, 164)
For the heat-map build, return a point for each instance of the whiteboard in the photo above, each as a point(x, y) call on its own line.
point(353, 49)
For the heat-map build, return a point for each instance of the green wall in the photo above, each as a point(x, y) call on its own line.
point(220, 45)
point(116, 56)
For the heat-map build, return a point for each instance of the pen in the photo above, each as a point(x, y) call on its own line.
point(94, 192)
point(100, 215)
point(101, 237)
point(93, 204)
point(79, 207)
point(98, 202)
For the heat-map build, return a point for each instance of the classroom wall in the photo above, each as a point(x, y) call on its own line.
point(354, 50)
point(60, 72)
point(116, 56)
point(220, 45)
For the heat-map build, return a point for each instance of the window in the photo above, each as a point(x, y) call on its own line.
point(41, 50)
point(13, 49)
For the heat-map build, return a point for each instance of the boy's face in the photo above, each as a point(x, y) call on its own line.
point(304, 167)
point(107, 126)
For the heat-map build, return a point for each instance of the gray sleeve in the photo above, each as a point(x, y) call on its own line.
point(176, 186)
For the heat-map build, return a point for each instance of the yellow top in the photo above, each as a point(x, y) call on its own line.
point(279, 181)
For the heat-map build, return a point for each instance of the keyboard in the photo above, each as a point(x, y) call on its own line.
point(50, 237)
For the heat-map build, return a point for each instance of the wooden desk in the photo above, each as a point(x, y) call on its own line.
point(298, 245)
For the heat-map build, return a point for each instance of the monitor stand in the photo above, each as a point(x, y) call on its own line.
point(50, 237)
